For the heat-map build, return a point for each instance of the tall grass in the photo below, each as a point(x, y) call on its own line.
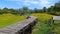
point(43, 25)
point(8, 19)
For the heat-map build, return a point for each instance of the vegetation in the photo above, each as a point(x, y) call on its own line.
point(44, 15)
point(43, 26)
point(54, 10)
point(9, 19)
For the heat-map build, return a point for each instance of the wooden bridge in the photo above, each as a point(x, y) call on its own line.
point(23, 27)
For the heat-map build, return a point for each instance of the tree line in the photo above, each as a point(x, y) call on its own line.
point(54, 10)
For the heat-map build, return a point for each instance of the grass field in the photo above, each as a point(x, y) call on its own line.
point(8, 19)
point(42, 26)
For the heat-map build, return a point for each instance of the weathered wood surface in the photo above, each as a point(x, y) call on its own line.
point(56, 17)
point(20, 27)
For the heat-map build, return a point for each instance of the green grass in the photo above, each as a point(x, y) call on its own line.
point(42, 27)
point(9, 19)
point(56, 27)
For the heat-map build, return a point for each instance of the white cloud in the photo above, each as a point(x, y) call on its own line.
point(44, 3)
point(28, 2)
point(31, 2)
point(41, 3)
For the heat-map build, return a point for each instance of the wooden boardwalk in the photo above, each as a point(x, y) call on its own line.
point(23, 27)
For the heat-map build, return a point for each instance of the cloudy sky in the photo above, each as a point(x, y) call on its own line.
point(30, 3)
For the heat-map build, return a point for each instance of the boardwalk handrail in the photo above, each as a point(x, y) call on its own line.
point(56, 17)
point(23, 27)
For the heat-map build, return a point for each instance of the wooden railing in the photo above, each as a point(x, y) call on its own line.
point(23, 27)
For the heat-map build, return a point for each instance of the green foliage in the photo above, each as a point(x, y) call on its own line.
point(56, 26)
point(54, 10)
point(44, 9)
point(1, 12)
point(44, 24)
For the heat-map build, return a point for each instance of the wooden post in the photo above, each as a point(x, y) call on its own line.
point(30, 29)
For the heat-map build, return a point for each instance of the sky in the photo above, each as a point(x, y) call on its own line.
point(29, 3)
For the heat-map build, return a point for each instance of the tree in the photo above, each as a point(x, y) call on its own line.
point(57, 6)
point(24, 10)
point(35, 10)
point(44, 9)
point(55, 10)
point(5, 10)
point(1, 12)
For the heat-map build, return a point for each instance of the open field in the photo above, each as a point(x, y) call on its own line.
point(8, 19)
point(42, 26)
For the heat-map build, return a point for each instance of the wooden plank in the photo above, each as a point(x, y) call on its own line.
point(18, 26)
point(56, 17)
